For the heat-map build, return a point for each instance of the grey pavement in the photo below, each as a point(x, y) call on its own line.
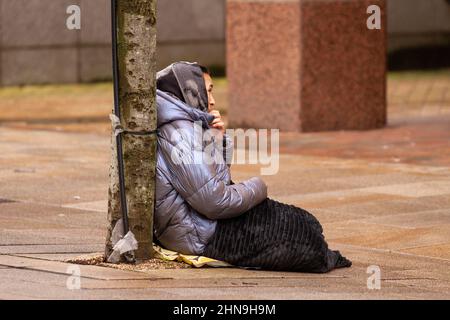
point(381, 206)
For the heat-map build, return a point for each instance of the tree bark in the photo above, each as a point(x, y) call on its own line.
point(136, 34)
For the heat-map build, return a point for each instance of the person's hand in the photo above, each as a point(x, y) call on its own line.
point(217, 123)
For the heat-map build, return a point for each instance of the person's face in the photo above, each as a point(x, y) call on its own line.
point(209, 88)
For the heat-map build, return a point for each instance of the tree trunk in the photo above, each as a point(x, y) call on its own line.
point(136, 34)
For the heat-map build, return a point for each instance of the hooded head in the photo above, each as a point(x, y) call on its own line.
point(184, 80)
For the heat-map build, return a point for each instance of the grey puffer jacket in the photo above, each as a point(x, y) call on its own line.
point(192, 195)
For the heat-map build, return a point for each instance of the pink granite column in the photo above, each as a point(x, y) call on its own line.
point(305, 65)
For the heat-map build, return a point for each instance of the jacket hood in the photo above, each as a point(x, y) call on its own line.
point(172, 109)
point(185, 81)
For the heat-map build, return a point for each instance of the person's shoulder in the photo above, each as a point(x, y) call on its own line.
point(179, 127)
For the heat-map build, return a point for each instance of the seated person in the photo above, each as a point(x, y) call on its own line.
point(200, 211)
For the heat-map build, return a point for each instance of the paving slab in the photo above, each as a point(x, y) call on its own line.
point(348, 231)
point(51, 248)
point(414, 220)
point(86, 271)
point(396, 261)
point(390, 206)
point(305, 288)
point(389, 238)
point(332, 199)
point(381, 179)
point(67, 236)
point(330, 292)
point(420, 189)
point(439, 251)
point(31, 284)
point(52, 256)
point(25, 214)
point(236, 273)
point(329, 216)
point(57, 190)
point(98, 206)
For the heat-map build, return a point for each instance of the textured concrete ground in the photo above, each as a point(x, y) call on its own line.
point(383, 197)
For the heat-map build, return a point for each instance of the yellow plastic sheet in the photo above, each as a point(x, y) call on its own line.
point(196, 261)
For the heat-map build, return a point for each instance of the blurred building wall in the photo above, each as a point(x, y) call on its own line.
point(192, 30)
point(36, 46)
point(416, 23)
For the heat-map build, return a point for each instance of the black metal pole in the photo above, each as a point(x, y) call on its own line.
point(123, 198)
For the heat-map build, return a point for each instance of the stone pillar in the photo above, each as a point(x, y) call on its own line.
point(306, 65)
